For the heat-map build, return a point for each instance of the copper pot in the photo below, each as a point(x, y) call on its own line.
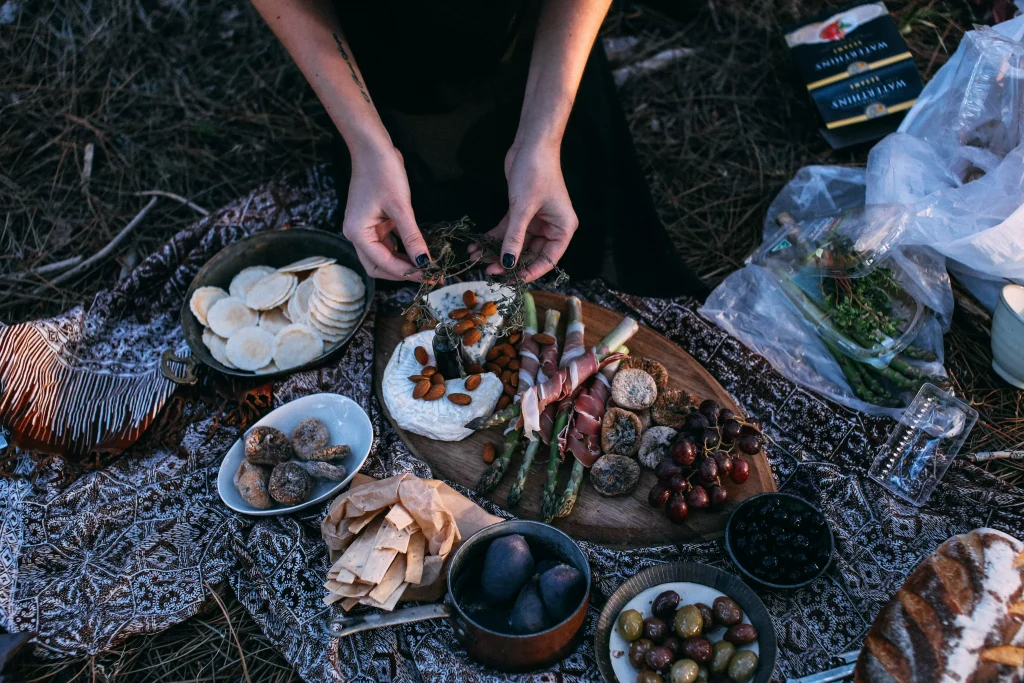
point(502, 651)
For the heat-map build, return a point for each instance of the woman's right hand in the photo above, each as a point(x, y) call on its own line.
point(380, 204)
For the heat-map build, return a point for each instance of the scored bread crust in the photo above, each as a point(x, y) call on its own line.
point(952, 609)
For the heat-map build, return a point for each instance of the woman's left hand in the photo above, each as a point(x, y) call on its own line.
point(540, 221)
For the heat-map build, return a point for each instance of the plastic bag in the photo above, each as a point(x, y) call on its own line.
point(956, 165)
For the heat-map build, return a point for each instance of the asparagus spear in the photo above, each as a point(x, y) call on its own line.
point(493, 474)
point(549, 509)
point(515, 494)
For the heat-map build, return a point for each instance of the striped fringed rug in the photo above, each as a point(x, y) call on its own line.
point(56, 401)
point(89, 382)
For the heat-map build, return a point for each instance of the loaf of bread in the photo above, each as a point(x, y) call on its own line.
point(957, 617)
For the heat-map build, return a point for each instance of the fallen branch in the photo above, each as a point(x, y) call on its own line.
point(102, 253)
point(176, 197)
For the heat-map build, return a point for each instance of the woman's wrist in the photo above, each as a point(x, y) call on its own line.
point(368, 142)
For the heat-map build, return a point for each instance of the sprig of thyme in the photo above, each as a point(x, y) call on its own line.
point(449, 245)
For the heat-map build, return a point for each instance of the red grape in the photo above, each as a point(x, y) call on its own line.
point(677, 483)
point(697, 498)
point(695, 424)
point(724, 463)
point(665, 469)
point(749, 444)
point(658, 496)
point(740, 470)
point(709, 408)
point(684, 452)
point(710, 438)
point(718, 495)
point(677, 509)
point(708, 470)
point(730, 431)
point(724, 415)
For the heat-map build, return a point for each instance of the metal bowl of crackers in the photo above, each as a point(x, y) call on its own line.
point(277, 302)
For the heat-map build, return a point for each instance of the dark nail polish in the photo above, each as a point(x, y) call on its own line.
point(508, 260)
point(422, 260)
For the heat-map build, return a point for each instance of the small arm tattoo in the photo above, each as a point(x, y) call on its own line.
point(351, 67)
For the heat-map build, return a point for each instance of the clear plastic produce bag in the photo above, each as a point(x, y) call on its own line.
point(956, 166)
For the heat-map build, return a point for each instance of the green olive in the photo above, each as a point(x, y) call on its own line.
point(703, 675)
point(631, 625)
point(743, 666)
point(649, 677)
point(684, 671)
point(721, 654)
point(689, 622)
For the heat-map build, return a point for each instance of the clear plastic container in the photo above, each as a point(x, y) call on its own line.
point(836, 270)
point(923, 444)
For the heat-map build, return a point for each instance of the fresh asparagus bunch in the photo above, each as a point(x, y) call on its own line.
point(515, 494)
point(491, 477)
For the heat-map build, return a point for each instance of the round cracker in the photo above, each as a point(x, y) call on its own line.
point(250, 348)
point(339, 283)
point(274, 320)
point(267, 369)
point(298, 303)
point(207, 336)
point(202, 299)
point(218, 350)
point(332, 334)
point(328, 305)
point(328, 313)
point(297, 345)
point(272, 291)
point(308, 263)
point(230, 314)
point(246, 278)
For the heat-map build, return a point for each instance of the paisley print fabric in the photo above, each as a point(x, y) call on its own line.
point(89, 558)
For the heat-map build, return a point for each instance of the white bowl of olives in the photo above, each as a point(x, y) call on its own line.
point(684, 623)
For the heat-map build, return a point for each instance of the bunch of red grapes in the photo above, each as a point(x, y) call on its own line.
point(703, 455)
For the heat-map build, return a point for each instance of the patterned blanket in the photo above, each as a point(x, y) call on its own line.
point(90, 557)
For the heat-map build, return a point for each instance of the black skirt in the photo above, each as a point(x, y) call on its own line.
point(448, 78)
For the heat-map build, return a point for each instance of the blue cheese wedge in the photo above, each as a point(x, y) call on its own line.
point(443, 301)
point(441, 419)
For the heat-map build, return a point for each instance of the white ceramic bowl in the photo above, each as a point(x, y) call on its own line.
point(1008, 335)
point(347, 423)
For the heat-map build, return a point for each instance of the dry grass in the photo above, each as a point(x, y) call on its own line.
point(197, 99)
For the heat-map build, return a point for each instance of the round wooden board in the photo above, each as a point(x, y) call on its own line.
point(624, 522)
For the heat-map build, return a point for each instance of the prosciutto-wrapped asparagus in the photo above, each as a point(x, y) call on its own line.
point(571, 377)
point(583, 433)
point(549, 359)
point(528, 366)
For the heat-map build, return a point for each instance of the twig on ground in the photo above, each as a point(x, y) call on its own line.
point(102, 253)
point(176, 197)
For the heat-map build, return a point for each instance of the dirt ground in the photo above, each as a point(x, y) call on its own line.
point(198, 99)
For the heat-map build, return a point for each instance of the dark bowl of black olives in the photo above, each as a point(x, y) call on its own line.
point(779, 540)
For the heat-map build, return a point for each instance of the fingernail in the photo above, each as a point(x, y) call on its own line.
point(508, 260)
point(422, 260)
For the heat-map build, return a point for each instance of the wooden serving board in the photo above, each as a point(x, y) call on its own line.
point(625, 522)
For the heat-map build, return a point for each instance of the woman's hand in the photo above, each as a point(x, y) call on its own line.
point(379, 204)
point(540, 221)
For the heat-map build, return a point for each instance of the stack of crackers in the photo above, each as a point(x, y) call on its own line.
point(386, 537)
point(273, 319)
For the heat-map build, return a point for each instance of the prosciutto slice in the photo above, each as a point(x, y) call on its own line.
point(561, 386)
point(574, 347)
point(583, 433)
point(529, 360)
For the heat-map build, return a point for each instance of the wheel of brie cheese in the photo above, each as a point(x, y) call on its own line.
point(440, 419)
point(443, 301)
